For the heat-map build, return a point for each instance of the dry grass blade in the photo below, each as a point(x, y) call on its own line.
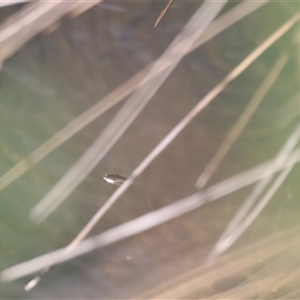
point(242, 122)
point(148, 220)
point(12, 2)
point(34, 18)
point(230, 265)
point(163, 12)
point(236, 224)
point(152, 219)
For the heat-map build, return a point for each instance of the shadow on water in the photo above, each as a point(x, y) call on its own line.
point(58, 76)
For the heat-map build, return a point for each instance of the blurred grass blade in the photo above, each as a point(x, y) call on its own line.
point(223, 22)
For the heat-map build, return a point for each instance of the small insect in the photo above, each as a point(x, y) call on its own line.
point(114, 179)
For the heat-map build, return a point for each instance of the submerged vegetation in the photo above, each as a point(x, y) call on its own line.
point(175, 135)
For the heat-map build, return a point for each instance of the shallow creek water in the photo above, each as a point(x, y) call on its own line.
point(57, 76)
